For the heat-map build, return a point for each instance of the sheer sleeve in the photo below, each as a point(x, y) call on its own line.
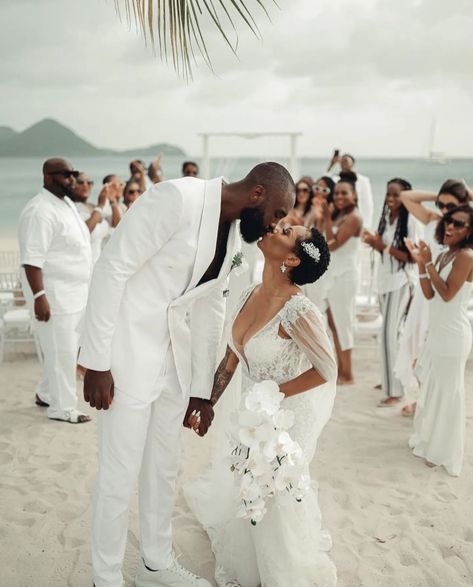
point(304, 324)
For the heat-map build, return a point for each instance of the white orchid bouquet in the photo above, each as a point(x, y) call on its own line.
point(266, 459)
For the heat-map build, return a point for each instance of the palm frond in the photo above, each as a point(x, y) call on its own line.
point(174, 27)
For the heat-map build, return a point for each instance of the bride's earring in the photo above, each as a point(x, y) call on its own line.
point(283, 267)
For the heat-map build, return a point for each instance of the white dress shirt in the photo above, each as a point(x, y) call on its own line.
point(53, 237)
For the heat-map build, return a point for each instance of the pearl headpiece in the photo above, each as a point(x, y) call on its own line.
point(312, 251)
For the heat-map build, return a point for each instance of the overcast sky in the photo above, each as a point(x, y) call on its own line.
point(366, 76)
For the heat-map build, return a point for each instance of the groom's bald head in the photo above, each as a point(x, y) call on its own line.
point(274, 178)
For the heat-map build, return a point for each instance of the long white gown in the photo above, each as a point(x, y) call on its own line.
point(439, 424)
point(288, 547)
point(414, 332)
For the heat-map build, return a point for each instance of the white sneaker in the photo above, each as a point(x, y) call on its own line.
point(173, 576)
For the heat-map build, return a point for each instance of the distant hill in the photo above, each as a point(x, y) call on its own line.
point(49, 138)
point(6, 133)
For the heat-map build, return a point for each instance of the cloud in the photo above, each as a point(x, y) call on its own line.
point(362, 73)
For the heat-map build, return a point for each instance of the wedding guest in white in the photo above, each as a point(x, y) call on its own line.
point(131, 192)
point(342, 227)
point(275, 334)
point(146, 178)
point(323, 191)
point(452, 193)
point(92, 215)
point(363, 187)
point(190, 169)
point(152, 332)
point(56, 267)
point(114, 207)
point(395, 280)
point(439, 422)
point(304, 195)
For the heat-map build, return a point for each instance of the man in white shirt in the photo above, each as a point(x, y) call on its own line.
point(363, 187)
point(56, 264)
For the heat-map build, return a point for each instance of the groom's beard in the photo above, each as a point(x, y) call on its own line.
point(252, 225)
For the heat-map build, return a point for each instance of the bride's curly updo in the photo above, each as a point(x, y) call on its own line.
point(310, 269)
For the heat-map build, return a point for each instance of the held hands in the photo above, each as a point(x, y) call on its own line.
point(42, 311)
point(199, 415)
point(99, 389)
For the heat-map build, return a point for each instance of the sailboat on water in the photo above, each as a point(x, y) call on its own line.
point(433, 156)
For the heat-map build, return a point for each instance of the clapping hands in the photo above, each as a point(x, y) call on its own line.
point(420, 253)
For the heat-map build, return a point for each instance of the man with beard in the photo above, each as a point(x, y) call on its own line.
point(56, 263)
point(152, 332)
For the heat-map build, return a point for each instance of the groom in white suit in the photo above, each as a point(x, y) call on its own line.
point(151, 335)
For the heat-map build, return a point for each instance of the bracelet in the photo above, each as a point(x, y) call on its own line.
point(38, 294)
point(99, 210)
point(424, 276)
point(428, 264)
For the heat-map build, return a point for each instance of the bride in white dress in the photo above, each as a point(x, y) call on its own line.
point(276, 334)
point(439, 424)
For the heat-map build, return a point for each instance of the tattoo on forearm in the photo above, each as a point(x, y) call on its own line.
point(222, 378)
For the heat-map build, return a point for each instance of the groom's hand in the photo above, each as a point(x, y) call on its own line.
point(197, 404)
point(98, 389)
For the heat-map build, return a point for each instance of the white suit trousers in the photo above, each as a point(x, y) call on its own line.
point(59, 341)
point(134, 435)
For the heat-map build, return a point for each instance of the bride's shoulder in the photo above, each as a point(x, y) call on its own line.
point(298, 305)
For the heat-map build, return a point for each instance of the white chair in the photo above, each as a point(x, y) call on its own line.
point(16, 324)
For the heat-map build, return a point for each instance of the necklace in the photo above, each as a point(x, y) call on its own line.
point(445, 259)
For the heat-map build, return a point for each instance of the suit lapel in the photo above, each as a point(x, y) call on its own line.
point(208, 230)
point(233, 240)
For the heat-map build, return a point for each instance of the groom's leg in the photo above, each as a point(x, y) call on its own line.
point(122, 434)
point(159, 470)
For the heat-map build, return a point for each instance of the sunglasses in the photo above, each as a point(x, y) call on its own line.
point(83, 182)
point(66, 173)
point(134, 192)
point(456, 223)
point(321, 190)
point(442, 206)
point(305, 190)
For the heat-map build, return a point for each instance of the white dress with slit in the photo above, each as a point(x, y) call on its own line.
point(439, 423)
point(288, 547)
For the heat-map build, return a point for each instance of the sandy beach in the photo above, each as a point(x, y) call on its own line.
point(394, 521)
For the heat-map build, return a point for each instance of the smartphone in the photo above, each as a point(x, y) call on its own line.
point(336, 153)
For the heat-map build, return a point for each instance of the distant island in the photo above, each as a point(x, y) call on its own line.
point(49, 138)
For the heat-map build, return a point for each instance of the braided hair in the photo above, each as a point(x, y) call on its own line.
point(402, 222)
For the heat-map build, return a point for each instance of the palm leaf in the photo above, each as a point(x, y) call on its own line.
point(174, 27)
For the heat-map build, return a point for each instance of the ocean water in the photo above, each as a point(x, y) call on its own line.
point(20, 178)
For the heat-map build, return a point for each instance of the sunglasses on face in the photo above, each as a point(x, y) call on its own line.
point(321, 190)
point(83, 182)
point(443, 206)
point(456, 223)
point(66, 173)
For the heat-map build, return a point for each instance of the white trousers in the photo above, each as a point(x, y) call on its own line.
point(136, 436)
point(59, 341)
point(393, 307)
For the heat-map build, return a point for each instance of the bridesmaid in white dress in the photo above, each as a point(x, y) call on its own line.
point(342, 225)
point(439, 423)
point(453, 193)
point(276, 334)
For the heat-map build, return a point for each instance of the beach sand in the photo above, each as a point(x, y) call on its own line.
point(394, 522)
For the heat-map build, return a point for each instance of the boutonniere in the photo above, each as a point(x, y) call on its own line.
point(239, 264)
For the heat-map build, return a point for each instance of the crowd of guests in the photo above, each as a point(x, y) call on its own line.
point(423, 250)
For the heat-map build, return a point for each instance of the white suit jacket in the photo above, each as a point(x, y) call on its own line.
point(144, 293)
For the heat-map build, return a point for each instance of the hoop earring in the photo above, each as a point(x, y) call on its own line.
point(283, 267)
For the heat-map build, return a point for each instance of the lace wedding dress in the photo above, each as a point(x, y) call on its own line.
point(287, 548)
